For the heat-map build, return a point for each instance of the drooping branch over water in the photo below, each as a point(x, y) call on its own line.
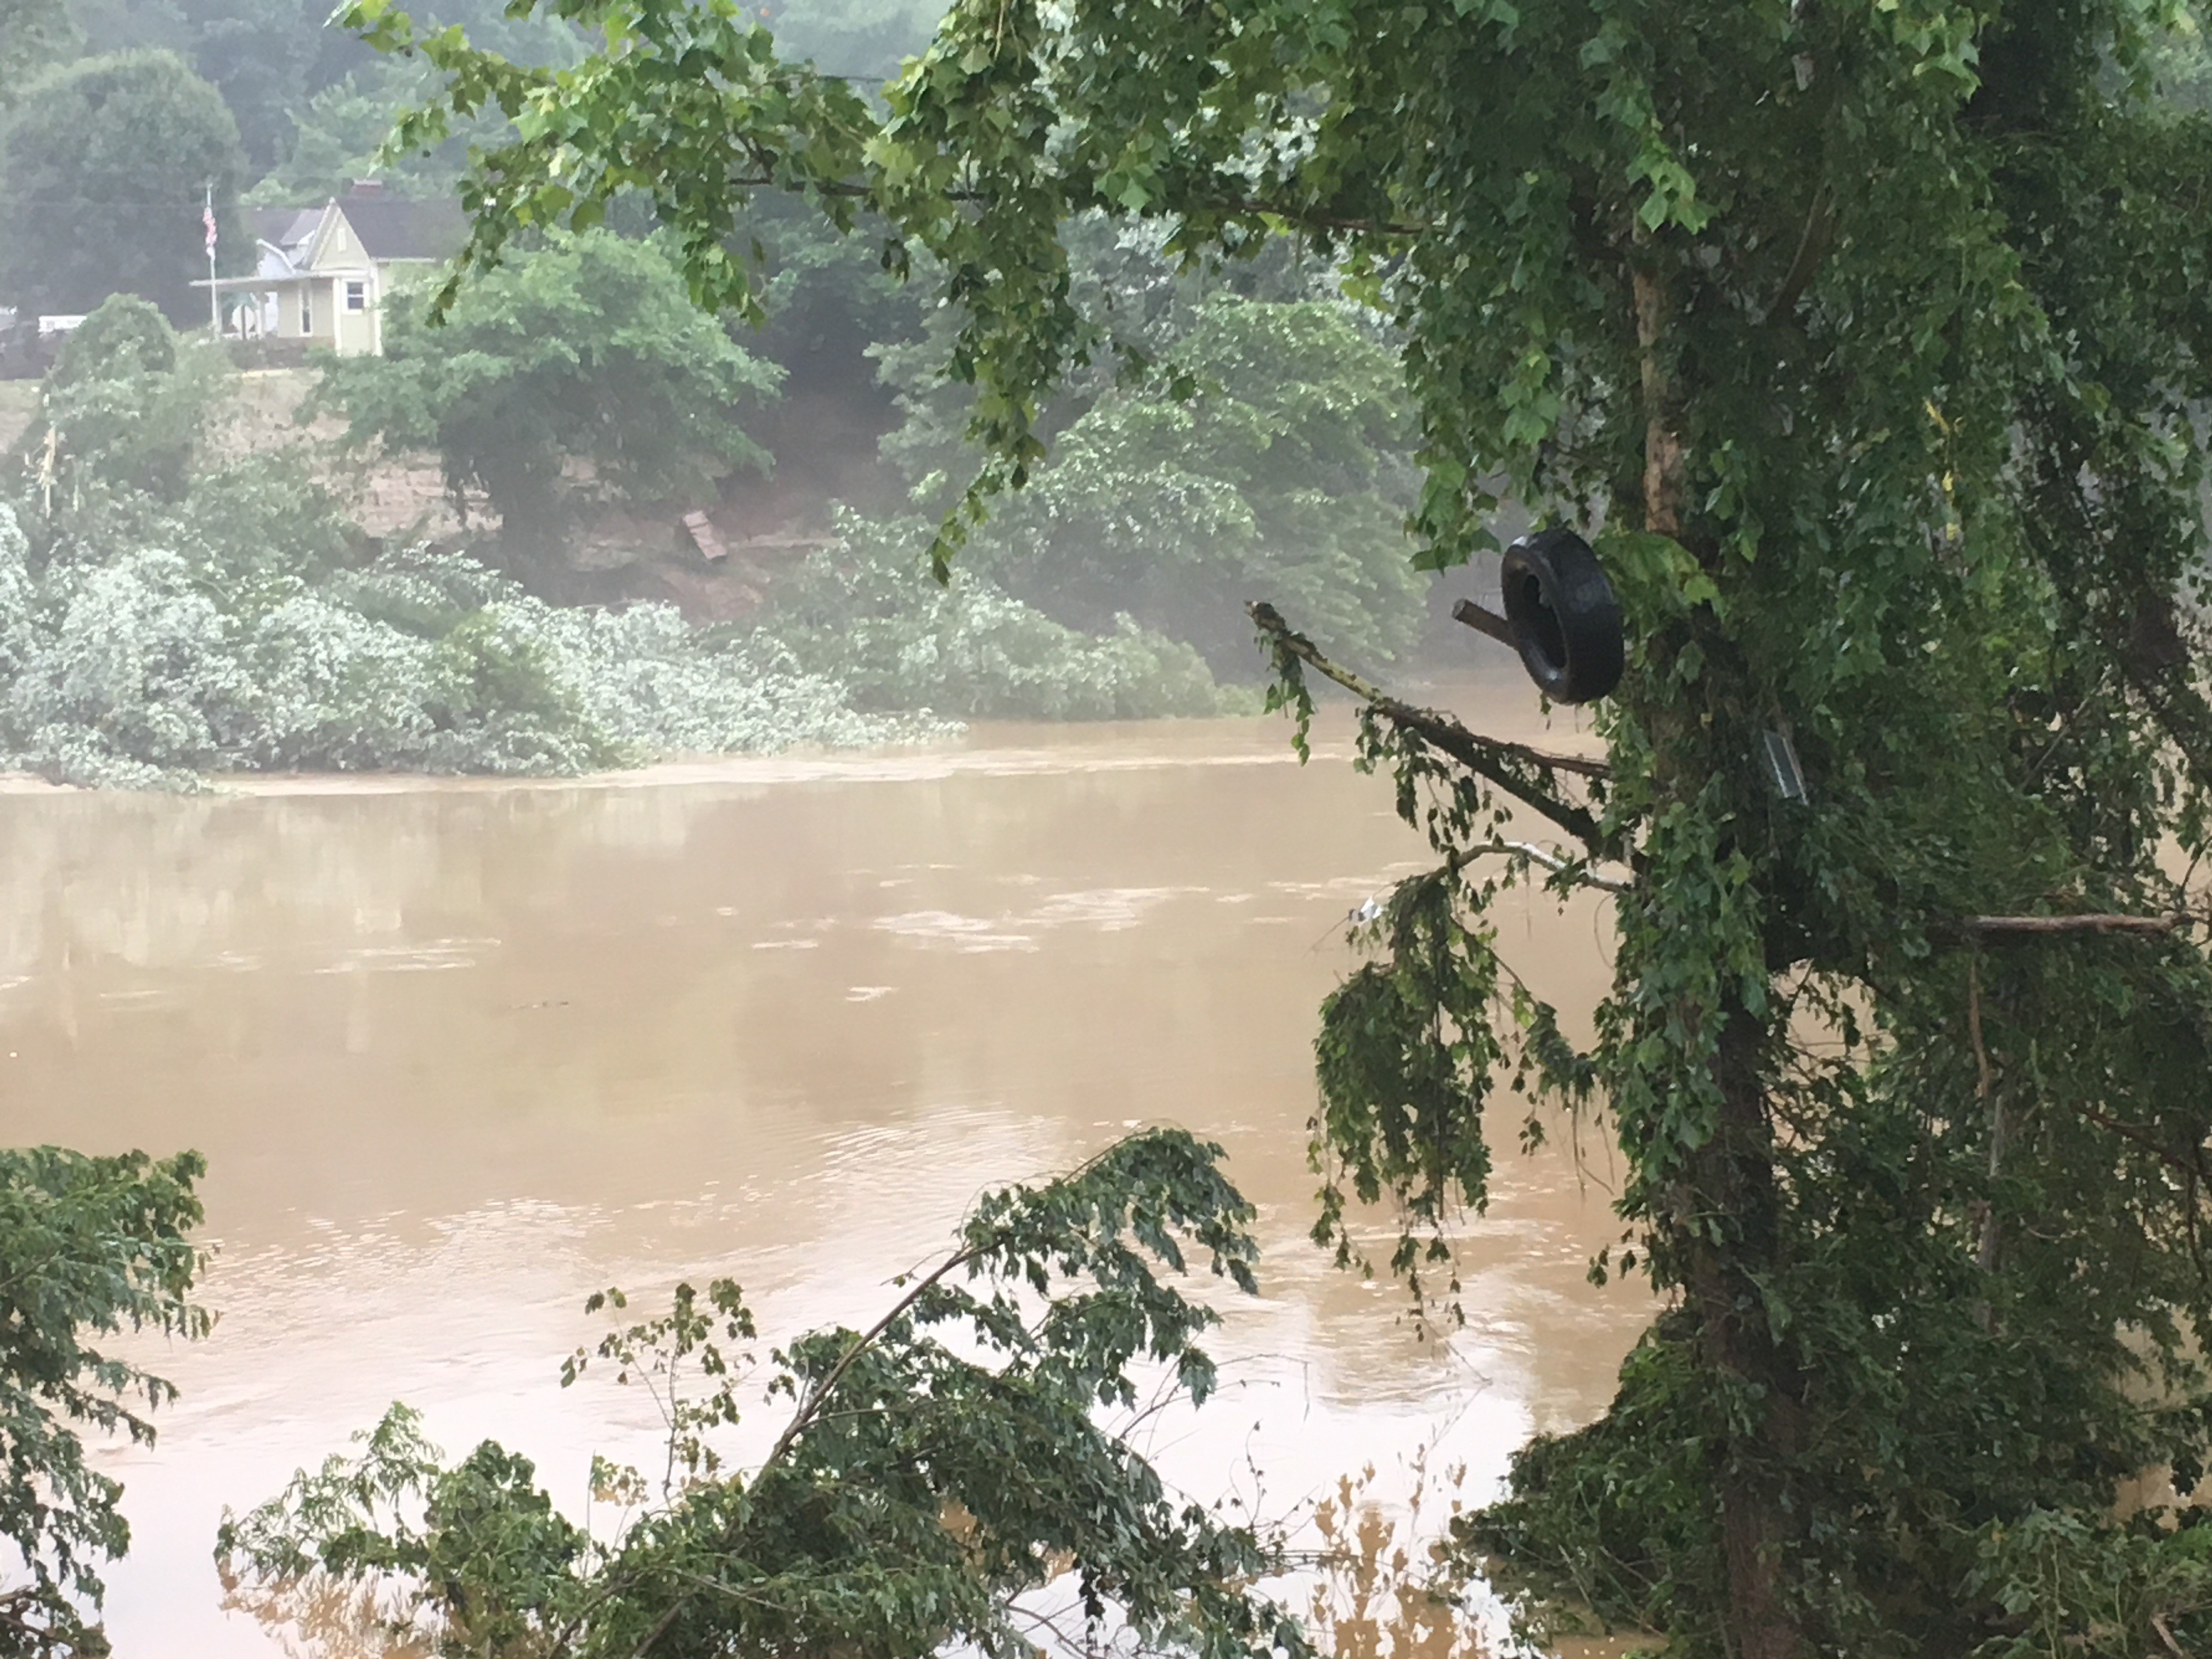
point(935, 1469)
point(1527, 774)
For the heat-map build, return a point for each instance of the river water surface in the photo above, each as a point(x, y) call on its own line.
point(458, 1054)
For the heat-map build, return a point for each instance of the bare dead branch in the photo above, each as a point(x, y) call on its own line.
point(1493, 758)
point(1474, 616)
point(1313, 219)
point(1814, 242)
point(1528, 851)
point(2136, 1134)
point(660, 1628)
point(2096, 922)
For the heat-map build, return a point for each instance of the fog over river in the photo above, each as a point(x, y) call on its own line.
point(460, 1052)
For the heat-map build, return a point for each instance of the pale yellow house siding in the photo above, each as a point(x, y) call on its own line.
point(355, 299)
point(303, 311)
point(351, 289)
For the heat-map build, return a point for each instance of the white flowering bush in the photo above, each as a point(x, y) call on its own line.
point(165, 614)
point(640, 673)
point(864, 611)
point(136, 672)
point(128, 673)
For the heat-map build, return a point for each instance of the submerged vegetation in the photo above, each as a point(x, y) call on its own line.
point(148, 669)
point(168, 608)
point(164, 614)
point(934, 1474)
point(865, 612)
point(171, 606)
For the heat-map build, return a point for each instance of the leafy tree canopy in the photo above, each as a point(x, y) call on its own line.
point(259, 55)
point(1870, 343)
point(585, 350)
point(123, 410)
point(337, 135)
point(271, 58)
point(33, 34)
point(1245, 431)
point(1271, 455)
point(104, 169)
point(163, 613)
point(89, 1247)
point(863, 611)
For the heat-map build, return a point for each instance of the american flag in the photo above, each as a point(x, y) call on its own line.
point(207, 218)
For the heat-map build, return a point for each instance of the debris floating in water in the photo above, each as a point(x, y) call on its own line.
point(1363, 915)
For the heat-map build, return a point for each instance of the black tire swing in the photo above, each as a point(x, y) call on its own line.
point(1561, 615)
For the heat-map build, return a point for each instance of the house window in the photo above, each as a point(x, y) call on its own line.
point(356, 296)
point(307, 311)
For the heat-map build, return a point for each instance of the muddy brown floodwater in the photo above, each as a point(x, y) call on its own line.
point(458, 1054)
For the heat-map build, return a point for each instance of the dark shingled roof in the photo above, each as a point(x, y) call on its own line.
point(282, 226)
point(391, 228)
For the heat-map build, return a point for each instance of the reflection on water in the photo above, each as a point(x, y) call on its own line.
point(459, 1054)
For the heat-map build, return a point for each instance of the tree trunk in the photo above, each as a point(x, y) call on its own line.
point(1731, 1181)
point(1724, 1212)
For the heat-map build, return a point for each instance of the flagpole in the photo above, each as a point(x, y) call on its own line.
point(214, 300)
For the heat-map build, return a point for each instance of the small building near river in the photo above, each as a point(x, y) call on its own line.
point(322, 274)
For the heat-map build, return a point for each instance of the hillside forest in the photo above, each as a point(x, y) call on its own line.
point(469, 553)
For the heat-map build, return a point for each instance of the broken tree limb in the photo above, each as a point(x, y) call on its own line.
point(2103, 922)
point(1813, 245)
point(1491, 758)
point(1554, 862)
point(1486, 621)
point(1448, 730)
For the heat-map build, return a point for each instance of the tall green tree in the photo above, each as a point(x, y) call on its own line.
point(120, 413)
point(338, 133)
point(271, 58)
point(259, 55)
point(106, 169)
point(1869, 340)
point(587, 349)
point(1272, 456)
point(33, 33)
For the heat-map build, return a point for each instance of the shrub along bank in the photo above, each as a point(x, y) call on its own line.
point(164, 614)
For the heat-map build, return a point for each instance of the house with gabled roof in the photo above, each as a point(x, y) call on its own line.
point(321, 274)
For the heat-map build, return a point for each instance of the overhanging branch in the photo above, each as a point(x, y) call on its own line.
point(1528, 852)
point(811, 1407)
point(2100, 922)
point(1491, 759)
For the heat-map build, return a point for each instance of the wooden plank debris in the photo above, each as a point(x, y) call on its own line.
point(703, 536)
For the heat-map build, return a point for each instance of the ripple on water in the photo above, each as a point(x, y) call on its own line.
point(415, 1188)
point(946, 928)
